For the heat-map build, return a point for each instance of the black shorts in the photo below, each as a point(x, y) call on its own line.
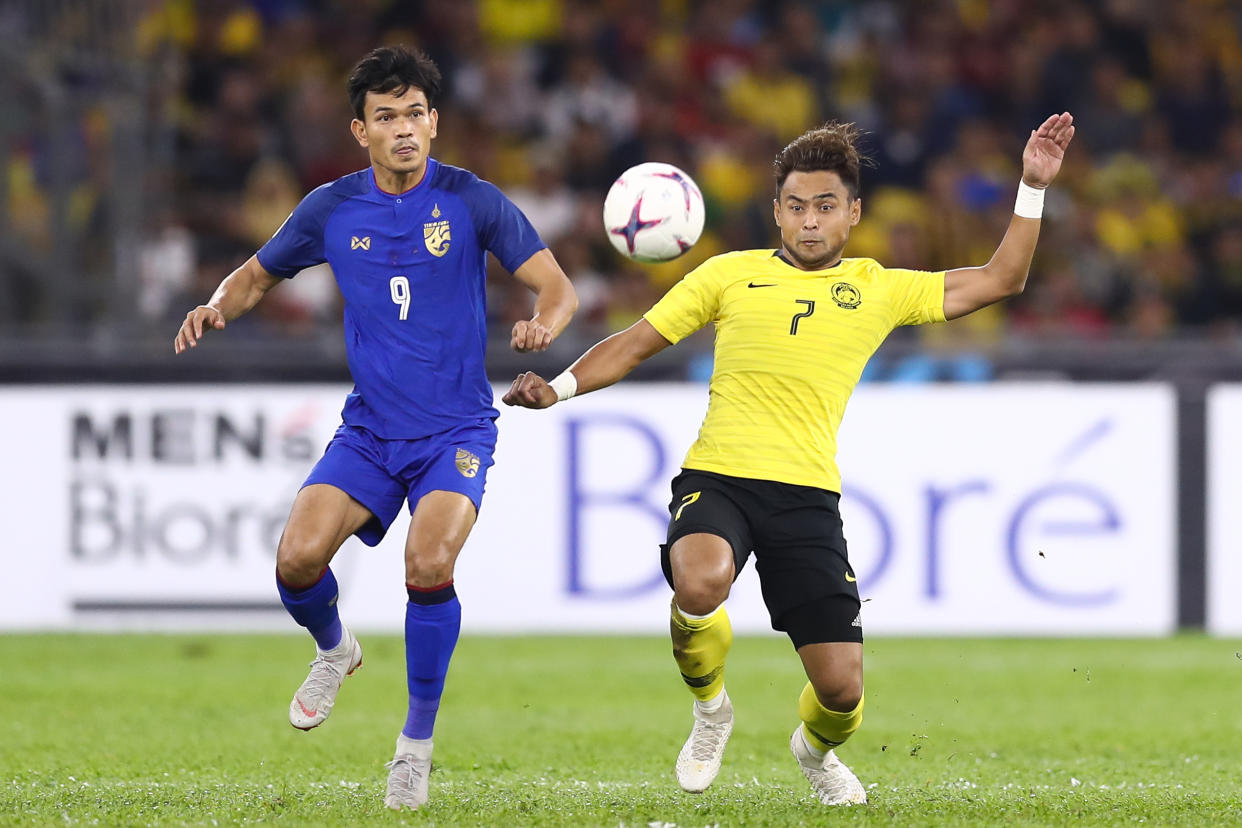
point(795, 533)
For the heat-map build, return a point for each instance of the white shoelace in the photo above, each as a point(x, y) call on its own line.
point(406, 776)
point(708, 737)
point(325, 678)
point(833, 781)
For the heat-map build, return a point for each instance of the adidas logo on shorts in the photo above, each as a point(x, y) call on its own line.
point(857, 622)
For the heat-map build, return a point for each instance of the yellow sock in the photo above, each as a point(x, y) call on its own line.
point(823, 728)
point(700, 646)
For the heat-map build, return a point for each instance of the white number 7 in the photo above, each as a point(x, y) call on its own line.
point(400, 287)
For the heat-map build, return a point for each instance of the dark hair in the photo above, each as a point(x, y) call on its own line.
point(392, 69)
point(832, 147)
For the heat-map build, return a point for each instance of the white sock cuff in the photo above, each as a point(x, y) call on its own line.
point(690, 616)
point(418, 748)
point(713, 704)
point(810, 748)
point(344, 646)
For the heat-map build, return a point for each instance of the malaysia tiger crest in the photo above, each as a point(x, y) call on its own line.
point(846, 295)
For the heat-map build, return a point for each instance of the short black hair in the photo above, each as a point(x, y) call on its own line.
point(832, 147)
point(393, 69)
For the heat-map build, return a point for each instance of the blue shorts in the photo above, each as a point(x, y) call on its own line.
point(380, 473)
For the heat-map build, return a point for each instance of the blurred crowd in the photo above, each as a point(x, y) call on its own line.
point(245, 111)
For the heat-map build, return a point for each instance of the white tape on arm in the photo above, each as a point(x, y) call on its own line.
point(565, 384)
point(1030, 203)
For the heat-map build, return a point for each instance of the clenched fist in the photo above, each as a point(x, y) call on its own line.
point(529, 390)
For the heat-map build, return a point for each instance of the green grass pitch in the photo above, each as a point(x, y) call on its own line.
point(549, 731)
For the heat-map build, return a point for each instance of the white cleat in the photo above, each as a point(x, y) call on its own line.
point(699, 760)
point(314, 699)
point(832, 781)
point(408, 777)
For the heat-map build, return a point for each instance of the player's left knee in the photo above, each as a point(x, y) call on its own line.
point(429, 566)
point(839, 693)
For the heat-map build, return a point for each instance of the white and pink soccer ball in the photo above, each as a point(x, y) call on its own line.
point(653, 212)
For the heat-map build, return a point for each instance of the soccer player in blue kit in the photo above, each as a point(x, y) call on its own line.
point(407, 240)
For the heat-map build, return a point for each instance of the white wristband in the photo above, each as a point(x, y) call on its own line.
point(1030, 203)
point(565, 384)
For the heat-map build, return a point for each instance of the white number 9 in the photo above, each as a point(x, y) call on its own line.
point(400, 287)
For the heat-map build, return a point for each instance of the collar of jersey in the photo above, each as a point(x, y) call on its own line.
point(427, 174)
point(780, 255)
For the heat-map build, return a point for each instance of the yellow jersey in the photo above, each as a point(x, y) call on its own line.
point(790, 348)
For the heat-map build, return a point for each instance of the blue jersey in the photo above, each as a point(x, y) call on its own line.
point(412, 269)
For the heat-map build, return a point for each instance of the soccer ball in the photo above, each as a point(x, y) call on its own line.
point(653, 212)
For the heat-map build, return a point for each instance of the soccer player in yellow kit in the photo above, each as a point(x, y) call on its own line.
point(794, 329)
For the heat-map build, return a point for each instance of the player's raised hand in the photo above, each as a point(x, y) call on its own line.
point(529, 335)
point(197, 322)
point(529, 390)
point(1041, 160)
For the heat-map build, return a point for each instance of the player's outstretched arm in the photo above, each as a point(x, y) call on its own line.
point(240, 291)
point(555, 303)
point(602, 365)
point(967, 289)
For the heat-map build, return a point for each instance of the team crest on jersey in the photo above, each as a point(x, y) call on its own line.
point(467, 463)
point(846, 295)
point(436, 235)
point(363, 243)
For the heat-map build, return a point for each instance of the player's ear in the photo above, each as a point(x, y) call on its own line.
point(434, 117)
point(776, 211)
point(855, 211)
point(359, 129)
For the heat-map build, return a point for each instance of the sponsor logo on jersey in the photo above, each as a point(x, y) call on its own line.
point(467, 463)
point(436, 234)
point(360, 243)
point(846, 295)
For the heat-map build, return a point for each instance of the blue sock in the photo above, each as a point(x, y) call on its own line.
point(432, 623)
point(314, 607)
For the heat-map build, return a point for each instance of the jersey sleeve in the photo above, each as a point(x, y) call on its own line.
point(689, 305)
point(918, 295)
point(502, 228)
point(298, 243)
